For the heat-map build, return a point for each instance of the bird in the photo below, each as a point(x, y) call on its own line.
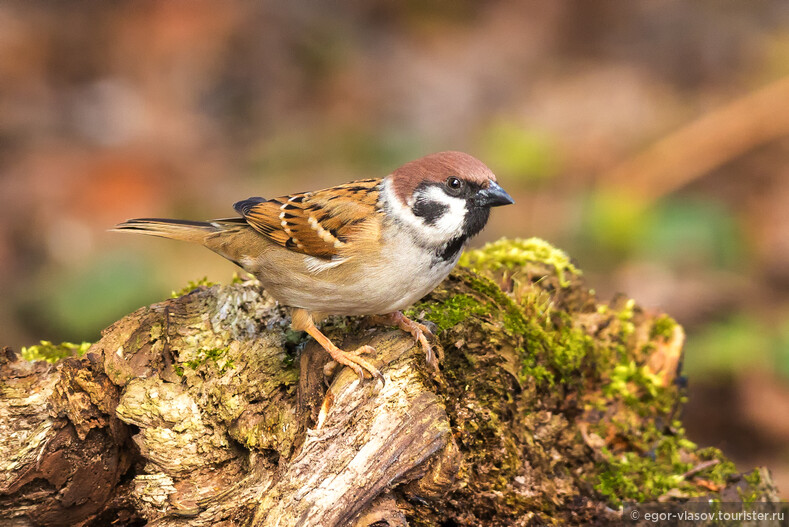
point(369, 247)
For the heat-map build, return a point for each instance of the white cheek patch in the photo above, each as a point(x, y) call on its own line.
point(443, 229)
point(450, 224)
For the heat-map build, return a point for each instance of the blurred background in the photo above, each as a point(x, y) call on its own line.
point(649, 139)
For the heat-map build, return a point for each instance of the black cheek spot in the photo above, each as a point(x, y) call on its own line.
point(431, 211)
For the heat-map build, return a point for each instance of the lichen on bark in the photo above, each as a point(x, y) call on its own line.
point(550, 408)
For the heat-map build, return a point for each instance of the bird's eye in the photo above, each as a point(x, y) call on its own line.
point(454, 185)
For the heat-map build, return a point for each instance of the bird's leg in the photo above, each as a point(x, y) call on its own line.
point(420, 332)
point(301, 320)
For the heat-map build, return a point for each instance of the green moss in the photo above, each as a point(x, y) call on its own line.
point(206, 355)
point(641, 460)
point(540, 363)
point(721, 473)
point(633, 383)
point(50, 352)
point(754, 491)
point(513, 317)
point(548, 350)
point(192, 285)
point(754, 478)
point(644, 477)
point(454, 310)
point(570, 346)
point(663, 326)
point(625, 317)
point(512, 254)
point(639, 478)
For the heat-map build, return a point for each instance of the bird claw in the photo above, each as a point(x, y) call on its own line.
point(420, 332)
point(431, 328)
point(302, 320)
point(379, 376)
point(363, 350)
point(430, 357)
point(360, 372)
point(424, 329)
point(356, 363)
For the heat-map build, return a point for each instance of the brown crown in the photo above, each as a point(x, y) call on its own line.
point(436, 168)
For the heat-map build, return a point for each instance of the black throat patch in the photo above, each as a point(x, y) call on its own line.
point(476, 218)
point(451, 249)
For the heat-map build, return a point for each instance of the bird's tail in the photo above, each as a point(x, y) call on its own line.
point(189, 231)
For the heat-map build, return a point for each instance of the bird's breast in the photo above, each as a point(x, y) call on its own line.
point(391, 278)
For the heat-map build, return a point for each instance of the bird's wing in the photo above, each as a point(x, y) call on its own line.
point(321, 223)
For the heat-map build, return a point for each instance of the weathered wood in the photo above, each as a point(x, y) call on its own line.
point(198, 392)
point(366, 439)
point(207, 410)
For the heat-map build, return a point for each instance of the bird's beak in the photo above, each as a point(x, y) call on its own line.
point(493, 196)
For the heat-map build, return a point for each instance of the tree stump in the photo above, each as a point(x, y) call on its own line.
point(206, 409)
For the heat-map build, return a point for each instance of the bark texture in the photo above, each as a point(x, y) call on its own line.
point(206, 409)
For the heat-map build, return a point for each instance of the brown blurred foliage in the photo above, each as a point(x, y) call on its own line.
point(648, 139)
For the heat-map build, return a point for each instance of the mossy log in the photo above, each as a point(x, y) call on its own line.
point(206, 409)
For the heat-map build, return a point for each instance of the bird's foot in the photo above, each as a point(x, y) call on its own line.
point(420, 332)
point(355, 362)
point(302, 321)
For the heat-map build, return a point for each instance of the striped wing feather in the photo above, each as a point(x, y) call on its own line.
point(321, 223)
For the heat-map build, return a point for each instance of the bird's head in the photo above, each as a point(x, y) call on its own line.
point(445, 197)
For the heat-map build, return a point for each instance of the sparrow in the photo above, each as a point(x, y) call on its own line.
point(368, 247)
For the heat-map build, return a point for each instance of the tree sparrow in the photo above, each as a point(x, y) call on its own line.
point(369, 247)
